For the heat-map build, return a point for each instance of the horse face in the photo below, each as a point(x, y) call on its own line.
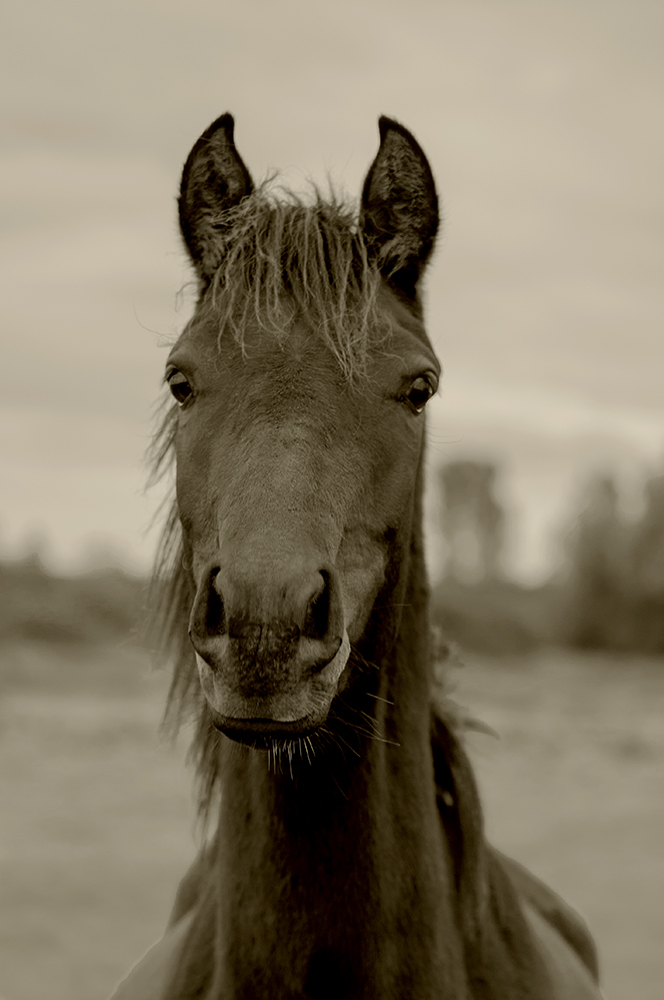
point(293, 482)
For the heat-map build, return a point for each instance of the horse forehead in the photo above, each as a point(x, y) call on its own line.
point(263, 352)
point(294, 380)
point(296, 374)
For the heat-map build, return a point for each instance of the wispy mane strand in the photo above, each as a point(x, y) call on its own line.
point(283, 256)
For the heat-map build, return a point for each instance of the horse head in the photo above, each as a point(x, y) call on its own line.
point(300, 382)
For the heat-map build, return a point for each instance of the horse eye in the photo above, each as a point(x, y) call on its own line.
point(419, 393)
point(179, 386)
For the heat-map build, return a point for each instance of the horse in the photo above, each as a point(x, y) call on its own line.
point(347, 857)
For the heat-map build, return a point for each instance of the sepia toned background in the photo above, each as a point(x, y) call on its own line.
point(542, 122)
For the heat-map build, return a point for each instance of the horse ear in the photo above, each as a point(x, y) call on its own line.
point(399, 213)
point(214, 179)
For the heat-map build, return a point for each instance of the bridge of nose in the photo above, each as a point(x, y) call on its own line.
point(264, 591)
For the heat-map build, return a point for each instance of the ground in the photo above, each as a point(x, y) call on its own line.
point(97, 823)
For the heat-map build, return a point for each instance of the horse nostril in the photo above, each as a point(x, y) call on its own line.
point(317, 617)
point(215, 619)
point(208, 617)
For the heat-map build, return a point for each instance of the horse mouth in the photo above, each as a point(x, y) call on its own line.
point(293, 710)
point(267, 734)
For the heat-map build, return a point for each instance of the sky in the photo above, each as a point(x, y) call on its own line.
point(543, 125)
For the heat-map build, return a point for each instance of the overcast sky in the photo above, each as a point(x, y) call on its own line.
point(543, 125)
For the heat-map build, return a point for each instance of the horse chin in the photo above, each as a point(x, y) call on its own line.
point(279, 718)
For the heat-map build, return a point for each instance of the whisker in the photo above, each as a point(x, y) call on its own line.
point(375, 736)
point(369, 718)
point(387, 607)
point(338, 736)
point(378, 697)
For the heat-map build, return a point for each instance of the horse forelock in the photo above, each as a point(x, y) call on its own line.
point(282, 256)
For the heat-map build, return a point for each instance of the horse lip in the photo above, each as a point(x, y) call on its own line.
point(285, 715)
point(263, 734)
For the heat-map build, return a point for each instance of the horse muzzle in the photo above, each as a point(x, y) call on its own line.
point(288, 712)
point(269, 666)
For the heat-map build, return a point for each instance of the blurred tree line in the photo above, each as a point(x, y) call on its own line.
point(609, 594)
point(614, 585)
point(104, 605)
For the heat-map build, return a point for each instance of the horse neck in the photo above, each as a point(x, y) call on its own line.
point(344, 853)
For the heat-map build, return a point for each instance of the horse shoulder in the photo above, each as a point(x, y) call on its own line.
point(558, 932)
point(531, 940)
point(192, 885)
point(559, 914)
point(152, 974)
point(519, 952)
point(571, 977)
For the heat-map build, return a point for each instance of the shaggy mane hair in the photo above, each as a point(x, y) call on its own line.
point(284, 256)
